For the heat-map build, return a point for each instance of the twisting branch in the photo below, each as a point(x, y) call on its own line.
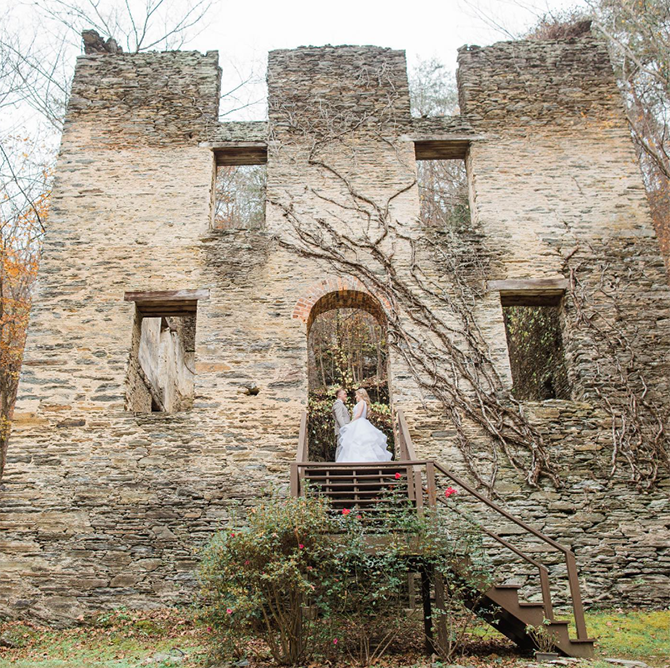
point(637, 417)
point(431, 326)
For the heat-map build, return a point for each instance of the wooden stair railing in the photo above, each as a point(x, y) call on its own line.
point(360, 484)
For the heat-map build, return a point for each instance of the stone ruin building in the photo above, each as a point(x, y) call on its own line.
point(165, 368)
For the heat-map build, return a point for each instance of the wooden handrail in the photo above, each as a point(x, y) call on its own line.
point(571, 563)
point(542, 569)
point(411, 456)
point(407, 439)
point(399, 441)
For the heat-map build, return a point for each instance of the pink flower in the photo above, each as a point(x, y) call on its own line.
point(359, 517)
point(300, 546)
point(398, 476)
point(334, 641)
point(345, 511)
point(246, 563)
point(229, 611)
point(209, 629)
point(450, 491)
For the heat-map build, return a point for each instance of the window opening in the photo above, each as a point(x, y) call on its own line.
point(240, 197)
point(443, 193)
point(536, 355)
point(161, 372)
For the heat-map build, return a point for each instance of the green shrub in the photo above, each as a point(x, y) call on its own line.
point(309, 580)
point(258, 577)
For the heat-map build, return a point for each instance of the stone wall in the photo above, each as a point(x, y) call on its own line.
point(102, 506)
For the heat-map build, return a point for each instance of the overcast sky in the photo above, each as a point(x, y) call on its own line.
point(244, 31)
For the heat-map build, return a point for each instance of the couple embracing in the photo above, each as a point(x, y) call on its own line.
point(357, 439)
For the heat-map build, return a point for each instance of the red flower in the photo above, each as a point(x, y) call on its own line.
point(229, 611)
point(345, 511)
point(398, 476)
point(450, 491)
point(300, 546)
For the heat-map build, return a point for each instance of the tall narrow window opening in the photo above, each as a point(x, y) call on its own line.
point(161, 370)
point(536, 356)
point(240, 197)
point(443, 193)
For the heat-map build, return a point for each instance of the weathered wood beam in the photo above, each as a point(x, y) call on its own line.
point(442, 149)
point(238, 153)
point(167, 303)
point(530, 291)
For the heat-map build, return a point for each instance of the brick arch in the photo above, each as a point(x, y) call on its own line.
point(332, 293)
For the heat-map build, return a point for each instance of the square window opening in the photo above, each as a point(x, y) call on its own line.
point(443, 193)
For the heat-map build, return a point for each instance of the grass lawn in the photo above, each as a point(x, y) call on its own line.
point(171, 638)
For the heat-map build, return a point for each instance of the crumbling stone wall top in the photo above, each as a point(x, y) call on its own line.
point(148, 99)
point(348, 87)
point(240, 131)
point(537, 82)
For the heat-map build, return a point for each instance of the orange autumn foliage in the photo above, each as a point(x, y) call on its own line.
point(20, 237)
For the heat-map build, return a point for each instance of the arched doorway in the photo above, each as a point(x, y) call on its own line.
point(347, 347)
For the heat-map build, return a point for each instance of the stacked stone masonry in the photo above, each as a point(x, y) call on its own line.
point(102, 506)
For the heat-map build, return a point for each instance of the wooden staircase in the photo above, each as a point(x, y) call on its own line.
point(364, 486)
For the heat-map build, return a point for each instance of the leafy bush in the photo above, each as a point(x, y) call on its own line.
point(309, 580)
point(257, 578)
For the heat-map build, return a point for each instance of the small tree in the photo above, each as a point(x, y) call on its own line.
point(20, 237)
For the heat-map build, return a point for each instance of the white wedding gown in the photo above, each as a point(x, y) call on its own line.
point(361, 441)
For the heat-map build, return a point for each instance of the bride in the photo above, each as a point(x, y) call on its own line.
point(361, 442)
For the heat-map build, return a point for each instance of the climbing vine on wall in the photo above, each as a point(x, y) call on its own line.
point(431, 316)
point(431, 321)
point(637, 417)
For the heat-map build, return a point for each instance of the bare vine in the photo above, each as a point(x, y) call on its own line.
point(431, 319)
point(430, 324)
point(637, 417)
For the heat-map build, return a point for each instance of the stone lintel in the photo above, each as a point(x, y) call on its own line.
point(239, 143)
point(240, 131)
point(530, 291)
point(441, 137)
point(166, 302)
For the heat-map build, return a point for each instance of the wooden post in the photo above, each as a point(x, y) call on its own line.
point(295, 481)
point(427, 610)
point(430, 484)
point(441, 621)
